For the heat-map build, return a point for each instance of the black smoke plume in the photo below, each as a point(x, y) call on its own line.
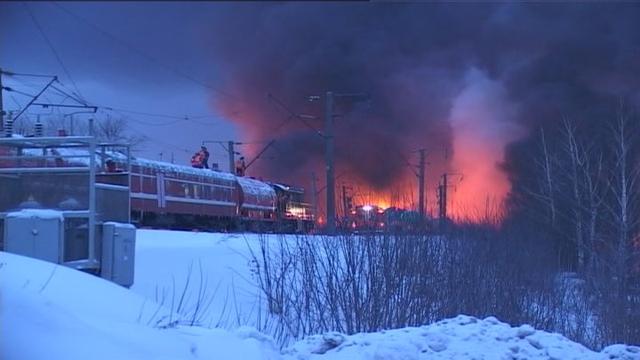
point(547, 60)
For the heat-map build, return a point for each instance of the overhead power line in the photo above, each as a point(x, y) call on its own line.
point(65, 94)
point(53, 50)
point(185, 117)
point(141, 53)
point(9, 73)
point(7, 88)
point(292, 115)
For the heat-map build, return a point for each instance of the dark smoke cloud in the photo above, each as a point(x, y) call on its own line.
point(549, 59)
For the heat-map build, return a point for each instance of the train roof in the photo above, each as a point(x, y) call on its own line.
point(284, 187)
point(255, 187)
point(249, 185)
point(81, 156)
point(168, 167)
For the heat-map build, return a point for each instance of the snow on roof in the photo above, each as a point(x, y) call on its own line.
point(168, 167)
point(121, 225)
point(289, 188)
point(36, 213)
point(81, 156)
point(74, 155)
point(255, 187)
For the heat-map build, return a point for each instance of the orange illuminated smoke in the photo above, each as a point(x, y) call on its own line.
point(482, 127)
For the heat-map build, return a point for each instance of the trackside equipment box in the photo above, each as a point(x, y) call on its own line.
point(35, 233)
point(118, 253)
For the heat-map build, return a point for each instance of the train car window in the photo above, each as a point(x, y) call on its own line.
point(148, 185)
point(168, 187)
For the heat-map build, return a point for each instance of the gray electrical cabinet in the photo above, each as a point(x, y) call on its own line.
point(35, 233)
point(118, 252)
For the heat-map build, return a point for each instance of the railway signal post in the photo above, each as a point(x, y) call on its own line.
point(232, 157)
point(1, 104)
point(421, 200)
point(331, 189)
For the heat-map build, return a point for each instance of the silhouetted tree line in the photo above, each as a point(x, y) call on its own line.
point(578, 191)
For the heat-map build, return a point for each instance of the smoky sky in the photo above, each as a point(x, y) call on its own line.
point(552, 60)
point(417, 62)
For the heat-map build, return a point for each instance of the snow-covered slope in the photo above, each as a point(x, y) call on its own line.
point(168, 262)
point(52, 312)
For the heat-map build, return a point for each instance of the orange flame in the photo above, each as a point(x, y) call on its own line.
point(481, 128)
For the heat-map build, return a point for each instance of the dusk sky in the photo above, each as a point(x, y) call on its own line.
point(166, 39)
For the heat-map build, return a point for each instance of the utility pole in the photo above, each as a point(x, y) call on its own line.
point(344, 201)
point(421, 200)
point(8, 130)
point(329, 155)
point(1, 104)
point(91, 128)
point(442, 198)
point(232, 157)
point(331, 191)
point(38, 128)
point(314, 195)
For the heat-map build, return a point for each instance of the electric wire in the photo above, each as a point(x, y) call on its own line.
point(141, 53)
point(53, 49)
point(10, 73)
point(10, 89)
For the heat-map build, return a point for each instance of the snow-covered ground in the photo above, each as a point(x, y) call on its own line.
point(52, 312)
point(168, 262)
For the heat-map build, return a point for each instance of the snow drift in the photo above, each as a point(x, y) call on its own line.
point(52, 312)
point(463, 337)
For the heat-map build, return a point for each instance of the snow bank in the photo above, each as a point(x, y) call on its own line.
point(53, 312)
point(463, 337)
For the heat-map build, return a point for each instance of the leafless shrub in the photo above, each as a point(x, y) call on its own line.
point(187, 307)
point(356, 283)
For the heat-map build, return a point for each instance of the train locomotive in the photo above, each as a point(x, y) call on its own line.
point(373, 218)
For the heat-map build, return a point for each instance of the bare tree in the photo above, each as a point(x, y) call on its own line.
point(115, 129)
point(549, 183)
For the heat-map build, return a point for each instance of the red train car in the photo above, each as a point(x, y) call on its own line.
point(169, 195)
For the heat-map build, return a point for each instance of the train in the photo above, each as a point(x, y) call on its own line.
point(182, 197)
point(372, 218)
point(165, 195)
point(162, 194)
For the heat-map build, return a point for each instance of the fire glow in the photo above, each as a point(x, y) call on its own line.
point(481, 131)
